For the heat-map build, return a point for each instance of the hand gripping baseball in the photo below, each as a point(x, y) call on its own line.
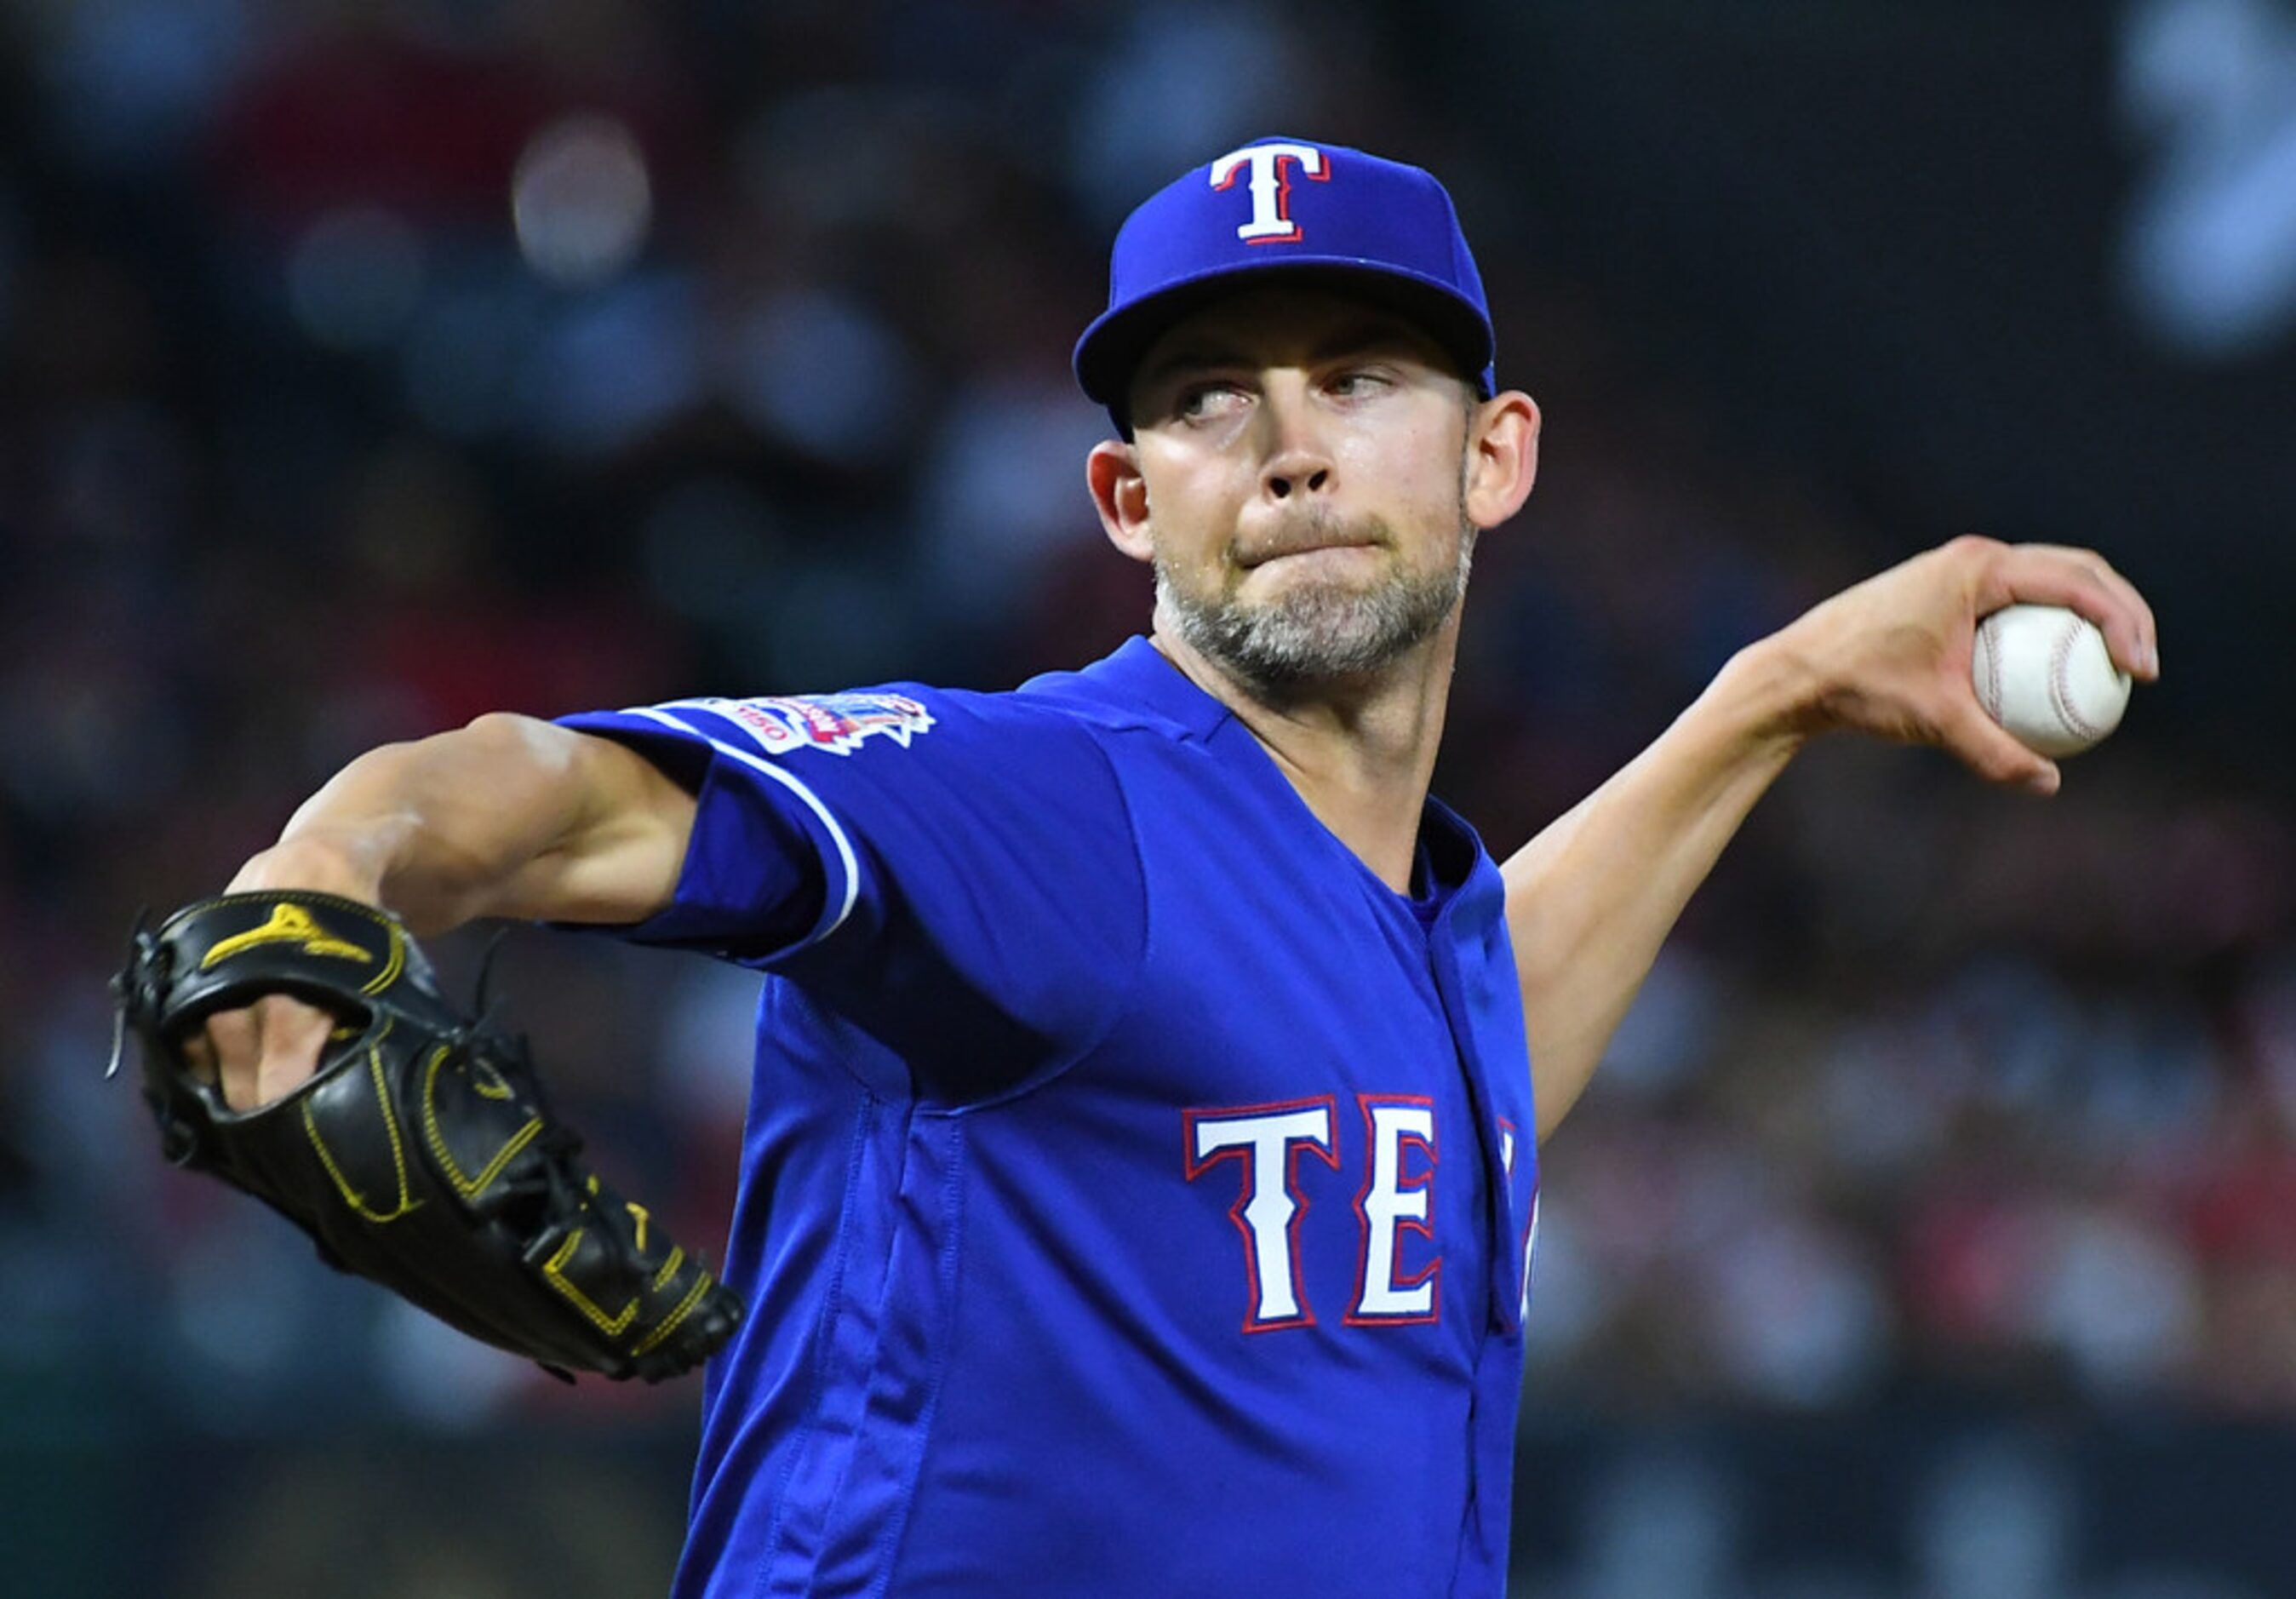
point(421, 1153)
point(1891, 655)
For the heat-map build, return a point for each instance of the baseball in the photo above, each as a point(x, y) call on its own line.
point(2043, 672)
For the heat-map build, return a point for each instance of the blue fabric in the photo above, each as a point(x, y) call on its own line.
point(1095, 1095)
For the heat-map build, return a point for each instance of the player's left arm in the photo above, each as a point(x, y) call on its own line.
point(1593, 896)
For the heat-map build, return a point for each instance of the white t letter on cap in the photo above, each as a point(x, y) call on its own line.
point(1271, 186)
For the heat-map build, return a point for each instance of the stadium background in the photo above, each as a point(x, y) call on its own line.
point(366, 366)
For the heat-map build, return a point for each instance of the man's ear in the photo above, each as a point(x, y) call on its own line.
point(1120, 495)
point(1502, 457)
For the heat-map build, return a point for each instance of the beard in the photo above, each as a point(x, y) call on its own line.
point(1313, 631)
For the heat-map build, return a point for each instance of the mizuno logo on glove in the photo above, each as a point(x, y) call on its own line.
point(289, 924)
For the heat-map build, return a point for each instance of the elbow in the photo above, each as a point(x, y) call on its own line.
point(528, 742)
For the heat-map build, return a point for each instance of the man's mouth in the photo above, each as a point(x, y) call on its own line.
point(1307, 547)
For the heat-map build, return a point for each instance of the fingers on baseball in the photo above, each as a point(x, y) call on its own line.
point(2080, 580)
point(1986, 748)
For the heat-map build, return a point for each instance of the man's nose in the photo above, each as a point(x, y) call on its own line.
point(1298, 459)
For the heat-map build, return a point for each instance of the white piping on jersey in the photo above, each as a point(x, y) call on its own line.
point(846, 862)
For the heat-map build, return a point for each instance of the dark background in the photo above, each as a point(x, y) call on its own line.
point(1927, 1233)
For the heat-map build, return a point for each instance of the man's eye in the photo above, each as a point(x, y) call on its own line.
point(1354, 385)
point(1201, 400)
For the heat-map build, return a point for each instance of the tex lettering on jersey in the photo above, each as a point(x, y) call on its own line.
point(1399, 1258)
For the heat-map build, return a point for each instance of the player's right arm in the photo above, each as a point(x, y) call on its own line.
point(509, 816)
point(1592, 899)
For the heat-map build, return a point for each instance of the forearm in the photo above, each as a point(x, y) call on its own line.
point(1590, 900)
point(509, 816)
point(1593, 896)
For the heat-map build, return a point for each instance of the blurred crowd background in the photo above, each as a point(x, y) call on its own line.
point(367, 365)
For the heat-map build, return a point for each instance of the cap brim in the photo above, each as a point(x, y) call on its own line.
point(1110, 350)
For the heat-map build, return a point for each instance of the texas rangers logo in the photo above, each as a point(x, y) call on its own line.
point(1270, 186)
point(834, 723)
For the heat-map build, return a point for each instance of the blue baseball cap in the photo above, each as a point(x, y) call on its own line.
point(1323, 214)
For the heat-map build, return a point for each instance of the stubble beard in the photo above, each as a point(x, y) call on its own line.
point(1313, 632)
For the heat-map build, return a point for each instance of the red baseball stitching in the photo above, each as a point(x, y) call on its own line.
point(2060, 688)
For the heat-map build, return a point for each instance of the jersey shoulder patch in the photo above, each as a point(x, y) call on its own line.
point(836, 724)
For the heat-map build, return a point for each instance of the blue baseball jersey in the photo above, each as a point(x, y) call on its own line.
point(1137, 1193)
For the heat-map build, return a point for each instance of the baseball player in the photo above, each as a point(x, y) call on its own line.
point(1140, 1184)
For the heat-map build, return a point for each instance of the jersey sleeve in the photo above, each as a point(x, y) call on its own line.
point(957, 875)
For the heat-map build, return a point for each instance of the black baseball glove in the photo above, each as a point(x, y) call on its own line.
point(420, 1153)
